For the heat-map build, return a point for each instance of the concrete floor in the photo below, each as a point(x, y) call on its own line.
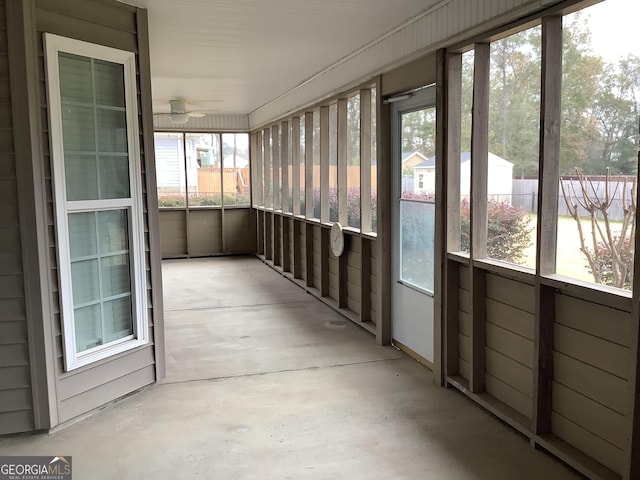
point(265, 382)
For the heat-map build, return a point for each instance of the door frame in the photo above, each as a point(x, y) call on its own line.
point(422, 98)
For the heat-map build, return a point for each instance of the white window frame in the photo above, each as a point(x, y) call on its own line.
point(133, 204)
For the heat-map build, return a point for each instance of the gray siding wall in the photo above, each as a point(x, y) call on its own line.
point(16, 403)
point(112, 24)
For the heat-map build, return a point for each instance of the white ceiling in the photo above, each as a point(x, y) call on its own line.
point(234, 56)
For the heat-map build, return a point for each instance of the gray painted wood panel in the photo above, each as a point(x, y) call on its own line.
point(597, 448)
point(596, 384)
point(509, 395)
point(510, 292)
point(16, 401)
point(173, 239)
point(94, 385)
point(597, 320)
point(592, 416)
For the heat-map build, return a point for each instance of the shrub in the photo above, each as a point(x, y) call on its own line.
point(603, 262)
point(508, 230)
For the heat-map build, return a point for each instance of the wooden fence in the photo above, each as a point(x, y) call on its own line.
point(234, 180)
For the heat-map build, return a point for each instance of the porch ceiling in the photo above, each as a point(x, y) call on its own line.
point(234, 56)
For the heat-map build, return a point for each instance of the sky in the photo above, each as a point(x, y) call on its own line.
point(614, 29)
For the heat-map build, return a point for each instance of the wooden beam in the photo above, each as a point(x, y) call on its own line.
point(451, 328)
point(342, 161)
point(479, 171)
point(365, 160)
point(365, 279)
point(285, 163)
point(266, 160)
point(549, 168)
point(310, 280)
point(324, 261)
point(298, 225)
point(549, 162)
point(480, 151)
point(478, 330)
point(383, 242)
point(275, 171)
point(454, 136)
point(295, 165)
point(440, 238)
point(308, 164)
point(324, 164)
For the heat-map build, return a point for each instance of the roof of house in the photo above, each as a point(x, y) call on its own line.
point(494, 161)
point(408, 155)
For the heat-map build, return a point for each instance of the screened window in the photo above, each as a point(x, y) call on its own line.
point(514, 132)
point(98, 199)
point(202, 169)
point(598, 146)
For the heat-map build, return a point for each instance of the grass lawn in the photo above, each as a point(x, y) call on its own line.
point(571, 261)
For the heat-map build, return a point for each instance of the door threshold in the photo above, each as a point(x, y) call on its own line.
point(413, 354)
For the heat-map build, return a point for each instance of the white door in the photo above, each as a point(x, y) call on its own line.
point(413, 142)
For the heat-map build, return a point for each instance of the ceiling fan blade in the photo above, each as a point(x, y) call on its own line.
point(196, 114)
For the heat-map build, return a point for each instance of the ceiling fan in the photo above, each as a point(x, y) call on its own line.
point(179, 113)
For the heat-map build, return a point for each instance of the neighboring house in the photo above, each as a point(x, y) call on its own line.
point(499, 185)
point(411, 159)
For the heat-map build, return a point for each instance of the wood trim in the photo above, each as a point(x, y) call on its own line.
point(324, 164)
point(549, 163)
point(451, 328)
point(342, 161)
point(413, 354)
point(480, 150)
point(365, 280)
point(440, 236)
point(383, 244)
point(267, 165)
point(153, 219)
point(295, 165)
point(365, 160)
point(275, 170)
point(310, 280)
point(324, 261)
point(259, 179)
point(549, 166)
point(297, 248)
point(453, 105)
point(478, 329)
point(308, 164)
point(30, 178)
point(285, 161)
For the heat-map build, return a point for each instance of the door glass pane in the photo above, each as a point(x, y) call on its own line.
point(353, 161)
point(82, 235)
point(85, 285)
point(79, 129)
point(100, 271)
point(109, 81)
point(94, 122)
point(112, 130)
point(117, 319)
point(75, 78)
point(417, 224)
point(81, 172)
point(418, 174)
point(87, 327)
point(114, 176)
point(115, 275)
